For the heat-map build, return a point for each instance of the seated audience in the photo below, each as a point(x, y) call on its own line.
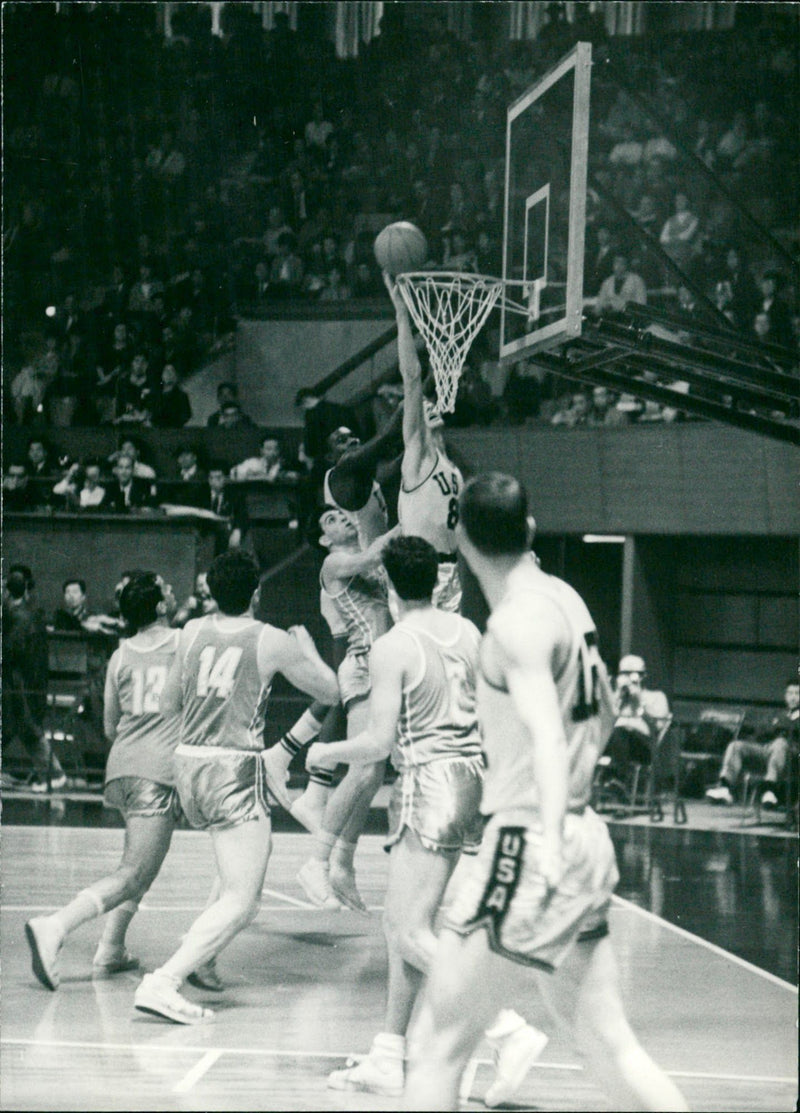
point(231, 416)
point(20, 494)
point(226, 392)
point(130, 447)
point(623, 286)
point(640, 713)
point(767, 754)
point(267, 465)
point(74, 613)
point(39, 466)
point(135, 394)
point(127, 491)
point(218, 497)
point(188, 467)
point(171, 408)
point(92, 493)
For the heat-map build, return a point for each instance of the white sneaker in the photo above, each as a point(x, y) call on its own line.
point(112, 960)
point(769, 799)
point(371, 1075)
point(56, 783)
point(276, 776)
point(343, 884)
point(159, 996)
point(514, 1055)
point(314, 881)
point(44, 939)
point(720, 794)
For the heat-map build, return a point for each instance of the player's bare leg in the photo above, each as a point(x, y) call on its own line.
point(147, 840)
point(309, 808)
point(242, 855)
point(277, 759)
point(416, 884)
point(586, 990)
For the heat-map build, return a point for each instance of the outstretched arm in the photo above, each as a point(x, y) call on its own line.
point(294, 654)
point(419, 452)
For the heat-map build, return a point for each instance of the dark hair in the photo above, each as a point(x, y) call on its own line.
point(792, 682)
point(232, 387)
point(217, 465)
point(412, 566)
point(494, 513)
point(232, 579)
point(16, 584)
point(139, 599)
point(305, 392)
point(24, 571)
point(38, 440)
point(74, 580)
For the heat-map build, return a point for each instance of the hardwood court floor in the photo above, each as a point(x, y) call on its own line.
point(306, 987)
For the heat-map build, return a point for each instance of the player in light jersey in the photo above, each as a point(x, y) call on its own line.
point(427, 505)
point(139, 781)
point(353, 582)
point(220, 683)
point(546, 868)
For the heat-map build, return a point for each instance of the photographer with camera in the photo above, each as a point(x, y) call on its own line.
point(640, 713)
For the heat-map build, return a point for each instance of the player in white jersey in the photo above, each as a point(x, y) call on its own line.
point(139, 781)
point(353, 584)
point(427, 505)
point(546, 869)
point(219, 683)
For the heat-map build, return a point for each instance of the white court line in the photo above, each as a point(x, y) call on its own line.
point(283, 1053)
point(196, 908)
point(467, 1080)
point(630, 906)
point(289, 900)
point(198, 1070)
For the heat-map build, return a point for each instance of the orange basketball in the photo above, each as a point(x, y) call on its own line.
point(401, 247)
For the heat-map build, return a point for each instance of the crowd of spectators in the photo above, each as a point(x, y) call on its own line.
point(256, 166)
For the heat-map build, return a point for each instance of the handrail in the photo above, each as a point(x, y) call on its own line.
point(352, 362)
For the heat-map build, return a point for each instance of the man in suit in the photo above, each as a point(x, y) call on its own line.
point(127, 492)
point(622, 287)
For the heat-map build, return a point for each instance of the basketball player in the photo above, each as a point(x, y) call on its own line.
point(220, 682)
point(427, 505)
point(546, 868)
point(422, 711)
point(139, 781)
point(354, 585)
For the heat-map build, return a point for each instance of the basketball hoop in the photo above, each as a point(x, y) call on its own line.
point(449, 309)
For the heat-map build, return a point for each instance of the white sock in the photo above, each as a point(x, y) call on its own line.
point(116, 926)
point(388, 1045)
point(505, 1023)
point(86, 906)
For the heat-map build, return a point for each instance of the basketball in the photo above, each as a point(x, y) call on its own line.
point(401, 247)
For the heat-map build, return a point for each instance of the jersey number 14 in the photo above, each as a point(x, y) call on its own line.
point(217, 676)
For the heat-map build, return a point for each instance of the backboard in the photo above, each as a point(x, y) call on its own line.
point(547, 140)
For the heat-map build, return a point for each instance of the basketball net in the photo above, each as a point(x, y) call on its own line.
point(449, 309)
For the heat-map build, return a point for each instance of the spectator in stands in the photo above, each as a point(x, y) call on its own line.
point(135, 394)
point(603, 409)
point(92, 493)
point(775, 310)
point(276, 227)
point(232, 417)
point(199, 603)
point(144, 291)
point(25, 680)
point(172, 408)
point(623, 286)
point(74, 613)
point(226, 392)
point(286, 271)
point(126, 491)
point(739, 290)
point(217, 496)
point(679, 233)
point(130, 447)
point(20, 495)
point(188, 468)
point(769, 754)
point(599, 260)
point(66, 491)
point(29, 386)
point(640, 714)
point(267, 465)
point(318, 130)
point(39, 466)
point(574, 410)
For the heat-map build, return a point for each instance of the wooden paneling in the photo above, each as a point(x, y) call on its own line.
point(731, 675)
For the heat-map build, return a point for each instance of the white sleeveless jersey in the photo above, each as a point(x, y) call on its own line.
point(430, 510)
point(371, 520)
point(438, 717)
point(224, 699)
point(360, 609)
point(508, 746)
point(145, 739)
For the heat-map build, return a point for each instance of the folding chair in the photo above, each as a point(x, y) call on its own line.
point(639, 794)
point(722, 726)
point(67, 696)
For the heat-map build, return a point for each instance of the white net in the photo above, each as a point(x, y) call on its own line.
point(449, 309)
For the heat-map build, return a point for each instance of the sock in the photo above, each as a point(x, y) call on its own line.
point(316, 794)
point(388, 1046)
point(305, 730)
point(117, 921)
point(322, 777)
point(343, 853)
point(87, 905)
point(323, 846)
point(505, 1023)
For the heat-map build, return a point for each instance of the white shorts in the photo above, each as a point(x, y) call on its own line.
point(504, 893)
point(440, 802)
point(353, 677)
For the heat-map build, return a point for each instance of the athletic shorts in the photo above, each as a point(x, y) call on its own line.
point(447, 593)
point(440, 802)
point(220, 788)
point(137, 796)
point(353, 676)
point(503, 893)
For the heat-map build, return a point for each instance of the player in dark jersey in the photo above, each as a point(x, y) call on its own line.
point(219, 684)
point(139, 782)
